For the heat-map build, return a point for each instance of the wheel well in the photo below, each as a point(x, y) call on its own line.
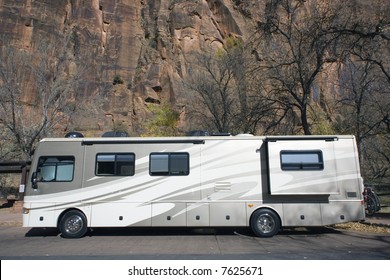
point(265, 208)
point(66, 211)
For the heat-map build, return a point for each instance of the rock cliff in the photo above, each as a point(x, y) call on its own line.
point(131, 53)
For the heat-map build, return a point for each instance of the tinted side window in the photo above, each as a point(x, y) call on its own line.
point(169, 164)
point(115, 164)
point(55, 169)
point(301, 160)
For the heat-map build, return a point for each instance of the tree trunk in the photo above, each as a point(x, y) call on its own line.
point(305, 123)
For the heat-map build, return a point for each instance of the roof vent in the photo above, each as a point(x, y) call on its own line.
point(74, 134)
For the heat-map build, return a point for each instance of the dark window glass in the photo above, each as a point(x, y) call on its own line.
point(301, 160)
point(179, 164)
point(115, 164)
point(169, 164)
point(55, 169)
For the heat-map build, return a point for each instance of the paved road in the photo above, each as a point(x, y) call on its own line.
point(125, 243)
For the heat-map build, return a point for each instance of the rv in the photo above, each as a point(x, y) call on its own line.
point(262, 182)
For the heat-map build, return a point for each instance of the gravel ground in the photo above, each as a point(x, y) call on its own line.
point(364, 227)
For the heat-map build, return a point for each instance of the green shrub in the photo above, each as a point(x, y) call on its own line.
point(117, 80)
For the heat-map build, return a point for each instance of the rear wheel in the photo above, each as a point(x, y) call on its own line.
point(73, 224)
point(265, 223)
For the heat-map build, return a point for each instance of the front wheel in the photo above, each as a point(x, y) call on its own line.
point(73, 224)
point(265, 223)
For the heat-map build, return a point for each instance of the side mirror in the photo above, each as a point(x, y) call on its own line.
point(34, 181)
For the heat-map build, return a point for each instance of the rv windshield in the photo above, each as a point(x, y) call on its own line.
point(57, 169)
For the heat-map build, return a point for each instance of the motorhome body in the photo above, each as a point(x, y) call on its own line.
point(264, 183)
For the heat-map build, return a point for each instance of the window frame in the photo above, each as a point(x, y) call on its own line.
point(115, 161)
point(170, 158)
point(302, 165)
point(56, 164)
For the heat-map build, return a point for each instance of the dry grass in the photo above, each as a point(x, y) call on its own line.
point(364, 227)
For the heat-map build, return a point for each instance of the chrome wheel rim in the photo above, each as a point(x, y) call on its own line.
point(74, 224)
point(265, 223)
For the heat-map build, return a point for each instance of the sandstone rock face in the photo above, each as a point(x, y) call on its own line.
point(145, 43)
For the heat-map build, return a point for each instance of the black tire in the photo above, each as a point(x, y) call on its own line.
point(265, 223)
point(73, 224)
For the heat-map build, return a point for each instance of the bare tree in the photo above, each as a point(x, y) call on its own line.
point(35, 93)
point(362, 101)
point(212, 83)
point(295, 48)
point(226, 95)
point(365, 84)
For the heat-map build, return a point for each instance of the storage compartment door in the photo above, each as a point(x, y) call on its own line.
point(167, 214)
point(302, 214)
point(227, 214)
point(198, 214)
